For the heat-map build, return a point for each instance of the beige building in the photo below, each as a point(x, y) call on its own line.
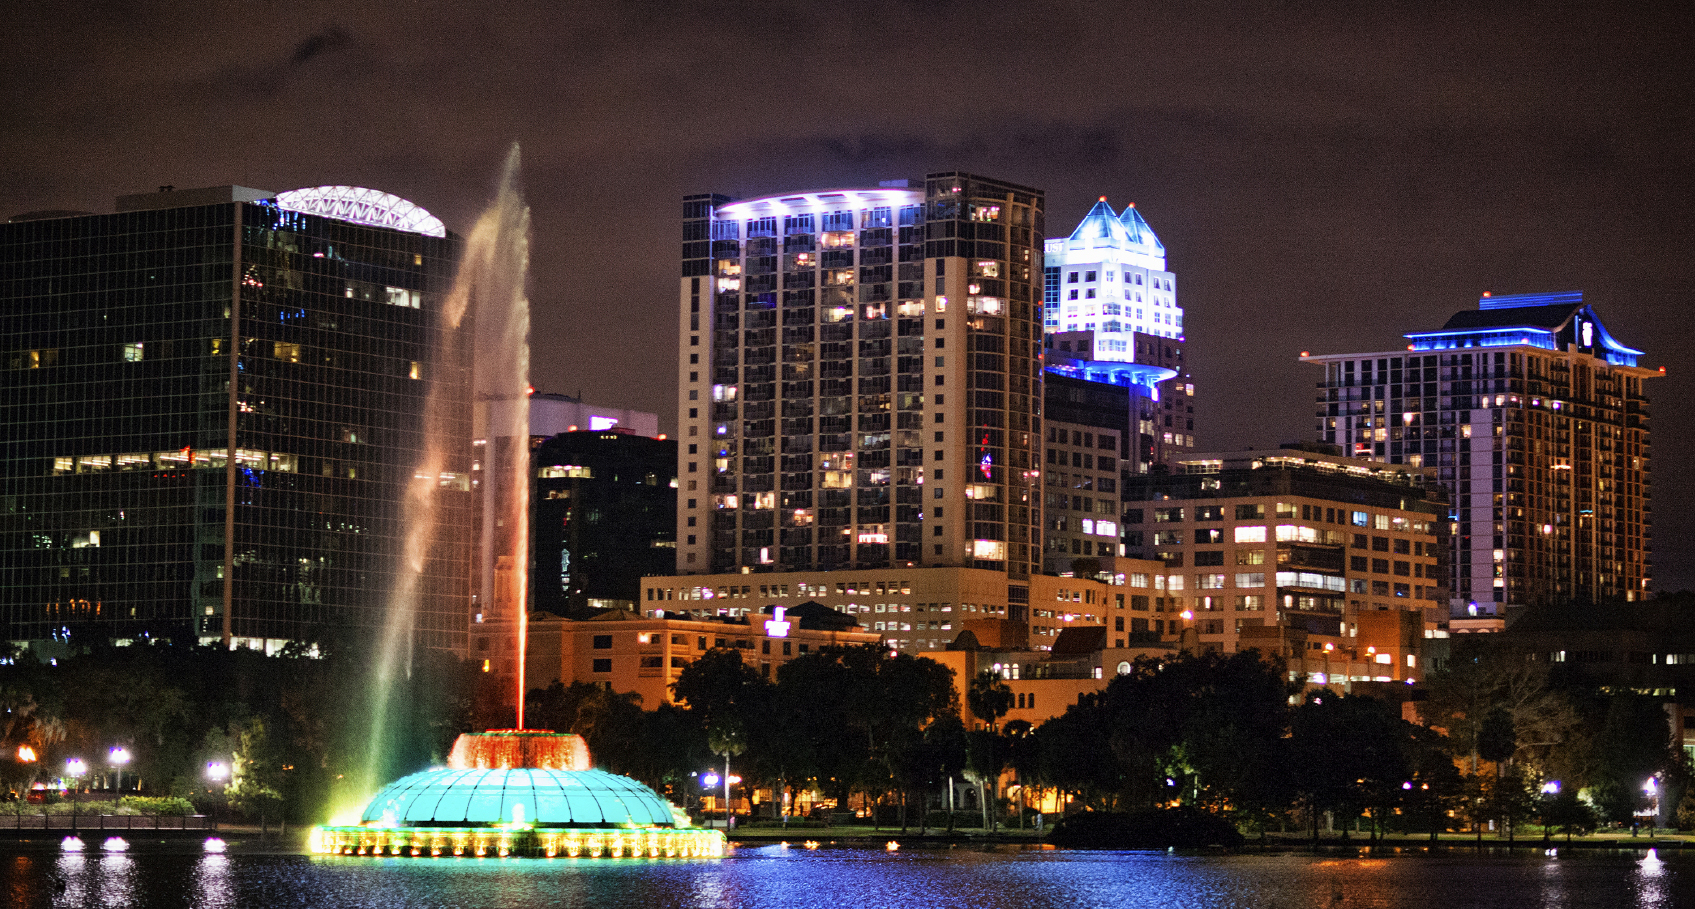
point(630, 653)
point(860, 379)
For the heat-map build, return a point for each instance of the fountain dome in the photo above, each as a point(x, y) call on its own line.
point(542, 797)
point(519, 792)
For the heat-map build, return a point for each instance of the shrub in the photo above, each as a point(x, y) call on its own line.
point(168, 806)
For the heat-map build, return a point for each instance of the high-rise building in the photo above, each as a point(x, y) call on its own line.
point(1111, 315)
point(860, 380)
point(213, 403)
point(1536, 419)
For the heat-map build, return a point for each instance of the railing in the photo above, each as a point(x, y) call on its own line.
point(106, 822)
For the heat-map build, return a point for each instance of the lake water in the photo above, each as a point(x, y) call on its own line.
point(846, 878)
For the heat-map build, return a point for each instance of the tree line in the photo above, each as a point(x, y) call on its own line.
point(870, 729)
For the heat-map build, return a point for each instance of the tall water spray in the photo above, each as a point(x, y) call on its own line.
point(485, 319)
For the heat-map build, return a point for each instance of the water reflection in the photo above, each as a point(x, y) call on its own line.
point(213, 886)
point(1651, 882)
point(833, 877)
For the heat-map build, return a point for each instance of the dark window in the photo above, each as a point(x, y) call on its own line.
point(602, 665)
point(603, 642)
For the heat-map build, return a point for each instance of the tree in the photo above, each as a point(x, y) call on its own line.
point(1354, 753)
point(1510, 798)
point(257, 777)
point(1633, 745)
point(1490, 692)
point(727, 696)
point(1211, 724)
point(989, 698)
point(1564, 812)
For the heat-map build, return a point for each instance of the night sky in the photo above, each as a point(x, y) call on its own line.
point(1325, 176)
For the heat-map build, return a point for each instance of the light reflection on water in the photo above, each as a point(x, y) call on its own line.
point(859, 879)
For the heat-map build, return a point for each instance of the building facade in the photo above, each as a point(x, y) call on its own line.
point(1536, 419)
point(214, 401)
point(645, 654)
point(603, 514)
point(1261, 545)
point(860, 380)
point(1118, 400)
point(920, 609)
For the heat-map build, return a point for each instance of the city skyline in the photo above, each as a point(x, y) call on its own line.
point(1320, 181)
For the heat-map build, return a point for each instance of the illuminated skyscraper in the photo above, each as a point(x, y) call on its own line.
point(1111, 315)
point(1119, 398)
point(213, 403)
point(1536, 420)
point(860, 379)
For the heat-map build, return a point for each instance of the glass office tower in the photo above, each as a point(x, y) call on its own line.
point(860, 379)
point(213, 402)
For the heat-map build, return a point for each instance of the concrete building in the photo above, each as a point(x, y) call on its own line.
point(1301, 553)
point(1118, 398)
point(1536, 420)
point(1045, 682)
point(213, 403)
point(860, 381)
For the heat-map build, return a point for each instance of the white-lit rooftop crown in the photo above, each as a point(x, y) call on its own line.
point(362, 206)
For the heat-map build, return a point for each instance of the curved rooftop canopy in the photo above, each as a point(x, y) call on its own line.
point(362, 206)
point(480, 797)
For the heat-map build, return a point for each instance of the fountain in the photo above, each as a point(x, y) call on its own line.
point(504, 792)
point(519, 793)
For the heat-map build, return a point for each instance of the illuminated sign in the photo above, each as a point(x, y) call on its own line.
point(777, 626)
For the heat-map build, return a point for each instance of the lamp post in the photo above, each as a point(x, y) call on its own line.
point(119, 756)
point(74, 768)
point(217, 772)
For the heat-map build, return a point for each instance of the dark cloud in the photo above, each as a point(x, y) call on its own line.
point(1325, 176)
point(318, 44)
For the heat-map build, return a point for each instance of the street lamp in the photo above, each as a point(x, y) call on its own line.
point(74, 768)
point(118, 757)
point(217, 771)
